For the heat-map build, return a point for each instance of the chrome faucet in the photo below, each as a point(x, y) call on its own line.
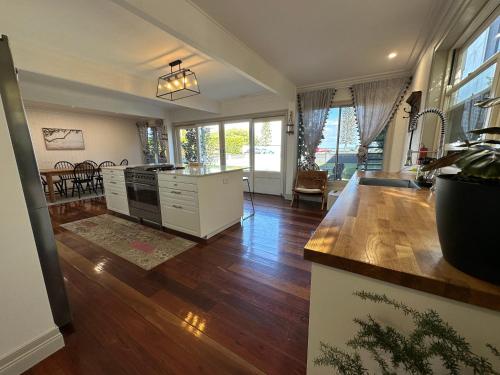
point(440, 151)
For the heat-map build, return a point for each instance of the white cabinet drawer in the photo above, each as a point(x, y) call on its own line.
point(184, 195)
point(178, 203)
point(119, 185)
point(182, 219)
point(117, 203)
point(113, 176)
point(111, 191)
point(175, 178)
point(179, 186)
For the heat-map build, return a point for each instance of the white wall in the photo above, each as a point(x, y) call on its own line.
point(398, 137)
point(25, 315)
point(106, 137)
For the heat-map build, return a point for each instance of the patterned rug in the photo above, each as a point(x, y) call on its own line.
point(141, 245)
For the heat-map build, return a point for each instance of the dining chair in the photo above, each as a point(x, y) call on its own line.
point(310, 183)
point(99, 179)
point(83, 173)
point(124, 162)
point(64, 177)
point(94, 164)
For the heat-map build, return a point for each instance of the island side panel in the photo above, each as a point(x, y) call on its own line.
point(333, 308)
point(220, 198)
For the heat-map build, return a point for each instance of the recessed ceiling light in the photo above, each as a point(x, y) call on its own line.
point(392, 55)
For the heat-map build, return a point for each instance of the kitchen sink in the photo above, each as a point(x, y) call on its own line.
point(388, 182)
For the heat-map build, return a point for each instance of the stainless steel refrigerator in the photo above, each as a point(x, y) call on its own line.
point(32, 186)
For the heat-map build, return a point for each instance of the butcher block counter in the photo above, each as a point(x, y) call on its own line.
point(384, 240)
point(390, 234)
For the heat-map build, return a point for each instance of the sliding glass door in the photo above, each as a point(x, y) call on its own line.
point(237, 144)
point(268, 156)
point(255, 145)
point(209, 145)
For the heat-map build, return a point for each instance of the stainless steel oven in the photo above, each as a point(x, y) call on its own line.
point(142, 192)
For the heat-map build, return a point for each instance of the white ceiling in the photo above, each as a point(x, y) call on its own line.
point(317, 41)
point(106, 34)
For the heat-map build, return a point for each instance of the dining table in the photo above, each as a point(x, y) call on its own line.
point(49, 175)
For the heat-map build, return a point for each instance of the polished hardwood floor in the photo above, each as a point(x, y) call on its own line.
point(236, 304)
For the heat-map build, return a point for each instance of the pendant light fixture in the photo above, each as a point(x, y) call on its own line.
point(178, 84)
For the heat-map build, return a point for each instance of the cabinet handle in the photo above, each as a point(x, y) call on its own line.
point(176, 206)
point(175, 192)
point(114, 193)
point(112, 182)
point(175, 184)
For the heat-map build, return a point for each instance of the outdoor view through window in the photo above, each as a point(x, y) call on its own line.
point(337, 152)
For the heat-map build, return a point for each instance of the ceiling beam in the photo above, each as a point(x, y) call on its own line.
point(188, 23)
point(37, 60)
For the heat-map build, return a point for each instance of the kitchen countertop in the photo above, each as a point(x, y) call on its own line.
point(193, 171)
point(200, 171)
point(390, 234)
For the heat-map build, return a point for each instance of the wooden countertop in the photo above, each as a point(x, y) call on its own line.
point(390, 234)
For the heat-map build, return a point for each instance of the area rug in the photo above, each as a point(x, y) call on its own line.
point(143, 246)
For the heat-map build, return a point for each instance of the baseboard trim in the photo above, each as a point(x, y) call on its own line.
point(33, 352)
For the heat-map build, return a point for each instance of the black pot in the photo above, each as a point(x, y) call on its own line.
point(467, 215)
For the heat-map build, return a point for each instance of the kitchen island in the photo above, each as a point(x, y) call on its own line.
point(199, 201)
point(383, 239)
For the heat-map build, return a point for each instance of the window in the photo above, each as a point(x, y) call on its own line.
point(474, 80)
point(237, 144)
point(267, 149)
point(156, 145)
point(209, 145)
point(337, 152)
point(254, 144)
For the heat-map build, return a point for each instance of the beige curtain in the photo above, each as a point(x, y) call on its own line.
point(313, 107)
point(375, 104)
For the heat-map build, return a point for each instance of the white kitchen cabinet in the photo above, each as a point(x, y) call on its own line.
point(115, 190)
point(200, 204)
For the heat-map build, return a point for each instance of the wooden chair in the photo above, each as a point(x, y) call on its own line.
point(83, 174)
point(99, 179)
point(310, 183)
point(124, 162)
point(64, 177)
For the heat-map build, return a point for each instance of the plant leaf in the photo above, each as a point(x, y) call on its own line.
point(490, 130)
point(489, 141)
point(445, 161)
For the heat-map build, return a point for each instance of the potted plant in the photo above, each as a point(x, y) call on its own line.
point(468, 207)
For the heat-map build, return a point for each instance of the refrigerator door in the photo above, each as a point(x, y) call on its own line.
point(32, 187)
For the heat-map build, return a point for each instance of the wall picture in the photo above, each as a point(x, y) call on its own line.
point(63, 139)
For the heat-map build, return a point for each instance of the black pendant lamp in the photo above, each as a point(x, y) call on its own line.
point(178, 84)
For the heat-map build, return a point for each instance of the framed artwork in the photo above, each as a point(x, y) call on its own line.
point(63, 139)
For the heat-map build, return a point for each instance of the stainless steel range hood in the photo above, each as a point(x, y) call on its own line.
point(32, 187)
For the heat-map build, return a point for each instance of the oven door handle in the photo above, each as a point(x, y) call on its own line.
point(148, 186)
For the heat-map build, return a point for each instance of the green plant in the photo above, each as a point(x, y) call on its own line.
point(480, 159)
point(392, 350)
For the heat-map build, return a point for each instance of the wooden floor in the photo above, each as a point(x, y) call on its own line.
point(235, 304)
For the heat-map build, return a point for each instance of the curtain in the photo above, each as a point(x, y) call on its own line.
point(313, 111)
point(375, 104)
point(142, 129)
point(160, 142)
point(154, 141)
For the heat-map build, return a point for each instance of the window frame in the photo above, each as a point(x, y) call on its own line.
point(221, 122)
point(454, 60)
